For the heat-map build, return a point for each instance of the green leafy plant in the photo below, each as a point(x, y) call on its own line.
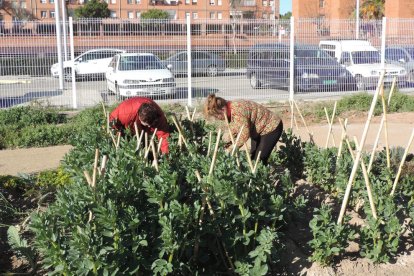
point(21, 247)
point(329, 238)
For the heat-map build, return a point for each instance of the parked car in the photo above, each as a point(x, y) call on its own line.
point(402, 56)
point(363, 61)
point(139, 75)
point(92, 63)
point(202, 62)
point(314, 70)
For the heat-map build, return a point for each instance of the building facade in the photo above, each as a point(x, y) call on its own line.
point(130, 9)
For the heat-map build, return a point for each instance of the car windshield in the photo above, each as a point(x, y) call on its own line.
point(129, 63)
point(364, 57)
point(313, 56)
point(410, 52)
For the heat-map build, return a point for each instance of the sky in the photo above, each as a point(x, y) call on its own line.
point(285, 6)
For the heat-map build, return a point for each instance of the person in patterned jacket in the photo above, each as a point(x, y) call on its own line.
point(261, 125)
point(146, 113)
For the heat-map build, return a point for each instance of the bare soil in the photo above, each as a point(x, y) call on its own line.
point(399, 126)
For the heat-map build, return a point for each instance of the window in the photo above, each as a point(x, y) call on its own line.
point(42, 1)
point(23, 5)
point(113, 14)
point(219, 2)
point(194, 1)
point(395, 55)
point(51, 1)
point(264, 16)
point(137, 1)
point(195, 15)
point(130, 14)
point(219, 15)
point(130, 2)
point(321, 3)
point(187, 14)
point(187, 2)
point(52, 14)
point(113, 1)
point(264, 3)
point(212, 15)
point(212, 2)
point(138, 14)
point(43, 14)
point(345, 58)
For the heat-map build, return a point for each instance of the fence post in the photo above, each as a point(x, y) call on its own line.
point(383, 37)
point(189, 103)
point(357, 20)
point(59, 44)
point(292, 58)
point(65, 37)
point(72, 58)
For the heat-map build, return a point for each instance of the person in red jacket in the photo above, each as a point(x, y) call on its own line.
point(146, 113)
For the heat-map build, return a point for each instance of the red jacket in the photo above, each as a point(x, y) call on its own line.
point(127, 113)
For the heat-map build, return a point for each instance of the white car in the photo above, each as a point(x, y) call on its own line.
point(139, 75)
point(363, 61)
point(92, 63)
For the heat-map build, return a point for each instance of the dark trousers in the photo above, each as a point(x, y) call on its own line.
point(265, 144)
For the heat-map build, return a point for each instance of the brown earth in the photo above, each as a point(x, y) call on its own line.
point(400, 127)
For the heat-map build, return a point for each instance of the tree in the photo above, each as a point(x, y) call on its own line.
point(155, 14)
point(372, 9)
point(287, 15)
point(93, 9)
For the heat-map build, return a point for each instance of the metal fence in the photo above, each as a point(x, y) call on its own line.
point(263, 59)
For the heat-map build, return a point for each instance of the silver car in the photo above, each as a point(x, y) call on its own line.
point(402, 56)
point(202, 62)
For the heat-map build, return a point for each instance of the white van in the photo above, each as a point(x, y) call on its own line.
point(363, 61)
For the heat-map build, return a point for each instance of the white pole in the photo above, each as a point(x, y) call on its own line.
point(65, 42)
point(59, 44)
point(357, 20)
point(190, 90)
point(72, 57)
point(292, 57)
point(383, 34)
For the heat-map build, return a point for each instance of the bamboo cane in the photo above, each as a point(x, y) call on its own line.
point(118, 140)
point(209, 143)
point(88, 178)
point(107, 122)
point(113, 138)
point(154, 153)
point(139, 140)
point(249, 159)
point(188, 112)
point(371, 160)
point(304, 122)
point(159, 146)
point(146, 140)
point(237, 140)
point(257, 161)
point(95, 168)
point(292, 110)
point(192, 116)
point(213, 161)
point(384, 111)
point(402, 163)
point(228, 127)
point(359, 152)
point(179, 131)
point(343, 135)
point(103, 165)
point(330, 123)
point(367, 184)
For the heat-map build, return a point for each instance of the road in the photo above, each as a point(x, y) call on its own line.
point(229, 85)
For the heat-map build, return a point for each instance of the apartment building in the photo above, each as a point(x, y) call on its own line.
point(130, 9)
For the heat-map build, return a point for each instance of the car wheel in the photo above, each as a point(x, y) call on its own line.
point(212, 71)
point(360, 82)
point(67, 74)
point(254, 82)
point(410, 76)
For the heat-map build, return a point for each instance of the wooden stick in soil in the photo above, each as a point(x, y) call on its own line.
point(179, 130)
point(384, 115)
point(292, 110)
point(103, 165)
point(193, 115)
point(213, 161)
point(237, 141)
point(139, 139)
point(402, 163)
point(367, 184)
point(257, 161)
point(364, 171)
point(209, 143)
point(107, 122)
point(359, 152)
point(188, 113)
point(88, 178)
point(330, 123)
point(154, 153)
point(95, 168)
point(118, 140)
point(343, 135)
point(249, 159)
point(148, 149)
point(159, 146)
point(304, 122)
point(113, 138)
point(374, 148)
